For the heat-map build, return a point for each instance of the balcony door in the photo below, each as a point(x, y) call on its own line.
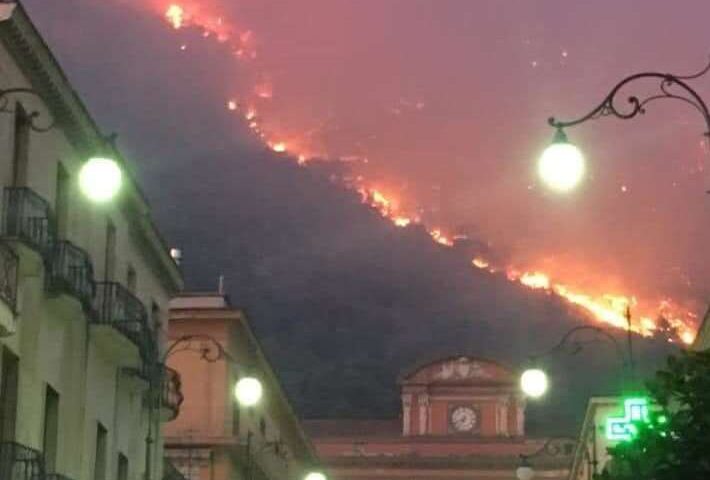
point(61, 201)
point(110, 253)
point(8, 395)
point(51, 429)
point(21, 147)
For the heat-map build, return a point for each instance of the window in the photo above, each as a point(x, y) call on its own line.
point(110, 254)
point(61, 201)
point(122, 467)
point(100, 454)
point(155, 315)
point(51, 425)
point(21, 147)
point(8, 395)
point(131, 280)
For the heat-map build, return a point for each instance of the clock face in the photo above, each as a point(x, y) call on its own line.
point(463, 419)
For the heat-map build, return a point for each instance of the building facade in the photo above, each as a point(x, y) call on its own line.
point(84, 289)
point(214, 438)
point(461, 417)
point(591, 454)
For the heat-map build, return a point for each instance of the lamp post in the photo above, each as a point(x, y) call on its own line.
point(534, 381)
point(100, 177)
point(553, 447)
point(315, 475)
point(561, 165)
point(247, 391)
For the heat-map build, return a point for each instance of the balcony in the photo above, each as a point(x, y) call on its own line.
point(71, 272)
point(171, 396)
point(9, 263)
point(27, 217)
point(18, 462)
point(118, 308)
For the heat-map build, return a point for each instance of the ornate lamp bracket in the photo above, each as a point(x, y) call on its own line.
point(36, 121)
point(670, 87)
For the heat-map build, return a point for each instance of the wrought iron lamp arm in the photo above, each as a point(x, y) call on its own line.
point(33, 116)
point(185, 343)
point(553, 447)
point(569, 336)
point(608, 106)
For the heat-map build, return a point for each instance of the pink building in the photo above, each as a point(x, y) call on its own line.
point(213, 438)
point(461, 417)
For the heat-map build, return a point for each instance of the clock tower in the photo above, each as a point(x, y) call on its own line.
point(462, 396)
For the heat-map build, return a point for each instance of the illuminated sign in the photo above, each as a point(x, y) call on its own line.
point(624, 428)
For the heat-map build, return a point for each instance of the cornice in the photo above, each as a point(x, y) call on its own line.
point(36, 61)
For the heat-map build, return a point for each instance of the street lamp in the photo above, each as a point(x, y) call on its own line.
point(248, 391)
point(315, 476)
point(100, 179)
point(562, 164)
point(553, 447)
point(533, 382)
point(525, 471)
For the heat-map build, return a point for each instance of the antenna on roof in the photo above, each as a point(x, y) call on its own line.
point(220, 288)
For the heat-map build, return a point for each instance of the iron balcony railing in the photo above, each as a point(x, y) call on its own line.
point(114, 305)
point(9, 263)
point(171, 396)
point(71, 272)
point(18, 462)
point(170, 471)
point(28, 217)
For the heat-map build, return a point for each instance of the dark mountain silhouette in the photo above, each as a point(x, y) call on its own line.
point(343, 301)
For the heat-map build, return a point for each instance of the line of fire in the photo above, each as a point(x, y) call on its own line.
point(119, 362)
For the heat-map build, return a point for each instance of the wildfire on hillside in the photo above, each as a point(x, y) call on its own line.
point(650, 317)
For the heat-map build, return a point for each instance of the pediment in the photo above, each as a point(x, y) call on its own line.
point(461, 370)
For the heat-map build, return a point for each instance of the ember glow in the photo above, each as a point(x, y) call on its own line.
point(255, 103)
point(611, 308)
point(175, 16)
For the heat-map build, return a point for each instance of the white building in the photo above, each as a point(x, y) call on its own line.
point(84, 288)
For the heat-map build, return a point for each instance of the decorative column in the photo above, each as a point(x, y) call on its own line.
point(423, 414)
point(406, 414)
point(503, 417)
point(520, 417)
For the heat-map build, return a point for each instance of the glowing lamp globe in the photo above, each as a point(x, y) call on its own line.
point(315, 476)
point(533, 382)
point(100, 179)
point(248, 391)
point(561, 165)
point(525, 473)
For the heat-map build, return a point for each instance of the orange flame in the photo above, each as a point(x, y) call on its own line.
point(175, 15)
point(441, 238)
point(279, 147)
point(535, 280)
point(481, 263)
point(608, 308)
point(401, 221)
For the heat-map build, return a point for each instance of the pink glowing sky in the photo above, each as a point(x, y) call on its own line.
point(448, 101)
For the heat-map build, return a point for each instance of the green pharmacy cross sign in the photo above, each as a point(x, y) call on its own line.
point(624, 428)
